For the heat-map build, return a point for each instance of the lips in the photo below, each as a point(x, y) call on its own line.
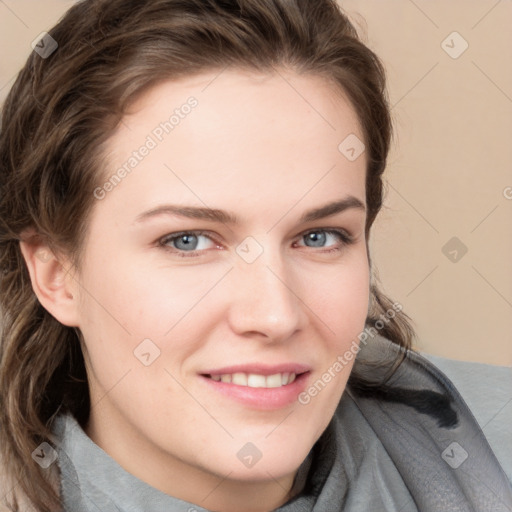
point(257, 385)
point(254, 380)
point(258, 375)
point(259, 369)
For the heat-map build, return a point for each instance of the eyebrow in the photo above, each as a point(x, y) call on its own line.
point(329, 209)
point(225, 217)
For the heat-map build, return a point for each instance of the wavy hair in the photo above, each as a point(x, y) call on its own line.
point(55, 122)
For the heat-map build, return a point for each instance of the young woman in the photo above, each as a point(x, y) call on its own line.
point(187, 192)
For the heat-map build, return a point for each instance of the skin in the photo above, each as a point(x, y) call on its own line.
point(255, 147)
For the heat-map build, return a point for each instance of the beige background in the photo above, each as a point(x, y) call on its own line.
point(449, 173)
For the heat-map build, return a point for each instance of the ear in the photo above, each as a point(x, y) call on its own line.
point(52, 279)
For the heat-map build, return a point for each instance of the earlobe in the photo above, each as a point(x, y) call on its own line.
point(51, 280)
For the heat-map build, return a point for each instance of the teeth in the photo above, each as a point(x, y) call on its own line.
point(274, 381)
point(240, 379)
point(256, 381)
point(253, 380)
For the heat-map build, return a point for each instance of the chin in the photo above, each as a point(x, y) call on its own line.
point(272, 470)
point(271, 462)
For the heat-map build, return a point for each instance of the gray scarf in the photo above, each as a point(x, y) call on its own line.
point(403, 445)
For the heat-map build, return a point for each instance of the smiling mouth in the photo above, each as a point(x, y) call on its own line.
point(253, 380)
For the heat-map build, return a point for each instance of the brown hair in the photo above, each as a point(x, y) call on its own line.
point(55, 122)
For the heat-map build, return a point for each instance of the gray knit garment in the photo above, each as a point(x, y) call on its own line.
point(405, 446)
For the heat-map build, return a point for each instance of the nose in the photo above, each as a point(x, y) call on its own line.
point(266, 300)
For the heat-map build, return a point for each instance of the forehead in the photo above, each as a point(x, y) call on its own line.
point(221, 136)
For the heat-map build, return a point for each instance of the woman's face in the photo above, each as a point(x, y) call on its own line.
point(233, 247)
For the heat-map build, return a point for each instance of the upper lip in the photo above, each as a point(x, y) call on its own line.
point(260, 369)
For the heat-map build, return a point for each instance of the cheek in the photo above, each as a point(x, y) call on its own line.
point(340, 298)
point(133, 309)
point(140, 293)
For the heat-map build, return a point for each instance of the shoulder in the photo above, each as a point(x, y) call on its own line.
point(10, 491)
point(487, 391)
point(6, 486)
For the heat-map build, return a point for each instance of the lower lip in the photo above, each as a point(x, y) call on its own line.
point(261, 398)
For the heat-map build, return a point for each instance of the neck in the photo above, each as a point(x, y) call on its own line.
point(190, 483)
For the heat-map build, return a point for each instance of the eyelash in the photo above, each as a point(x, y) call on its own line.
point(346, 240)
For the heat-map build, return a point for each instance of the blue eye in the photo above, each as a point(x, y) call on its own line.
point(326, 238)
point(315, 239)
point(194, 243)
point(184, 242)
